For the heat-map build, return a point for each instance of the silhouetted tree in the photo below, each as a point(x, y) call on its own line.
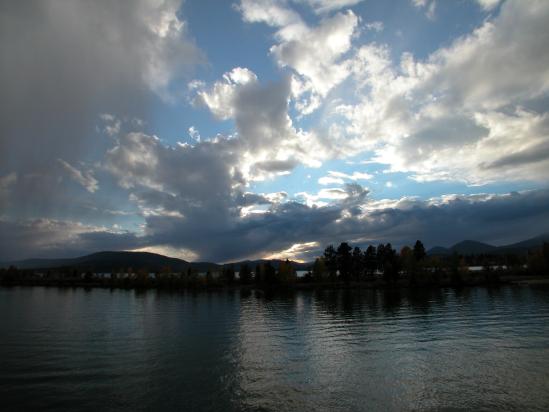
point(245, 274)
point(380, 257)
point(389, 262)
point(319, 269)
point(357, 263)
point(370, 261)
point(330, 259)
point(268, 273)
point(257, 274)
point(538, 261)
point(545, 254)
point(419, 251)
point(344, 261)
point(286, 272)
point(228, 274)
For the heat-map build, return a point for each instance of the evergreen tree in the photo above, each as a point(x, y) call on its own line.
point(319, 269)
point(419, 251)
point(357, 264)
point(370, 261)
point(258, 275)
point(228, 274)
point(330, 259)
point(245, 274)
point(344, 261)
point(286, 272)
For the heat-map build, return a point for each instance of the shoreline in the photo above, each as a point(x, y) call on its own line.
point(516, 280)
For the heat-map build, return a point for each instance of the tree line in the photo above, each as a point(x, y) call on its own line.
point(380, 265)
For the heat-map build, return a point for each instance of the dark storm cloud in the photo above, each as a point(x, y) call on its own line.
point(496, 219)
point(53, 238)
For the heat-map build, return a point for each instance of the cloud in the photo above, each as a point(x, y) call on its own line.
point(376, 26)
point(85, 179)
point(326, 6)
point(488, 4)
point(63, 64)
point(185, 179)
point(6, 182)
point(276, 166)
point(497, 219)
point(415, 114)
point(266, 140)
point(353, 176)
point(340, 177)
point(313, 53)
point(268, 11)
point(461, 109)
point(330, 180)
point(428, 5)
point(473, 111)
point(55, 238)
point(296, 251)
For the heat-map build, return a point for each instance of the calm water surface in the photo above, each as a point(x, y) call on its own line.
point(100, 350)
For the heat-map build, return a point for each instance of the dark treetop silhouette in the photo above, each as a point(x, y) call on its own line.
point(344, 266)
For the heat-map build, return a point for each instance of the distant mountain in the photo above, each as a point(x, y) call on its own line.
point(471, 247)
point(525, 245)
point(439, 251)
point(108, 261)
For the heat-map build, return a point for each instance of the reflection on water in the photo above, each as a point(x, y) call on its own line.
point(472, 348)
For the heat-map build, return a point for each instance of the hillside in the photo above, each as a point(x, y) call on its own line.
point(471, 247)
point(108, 261)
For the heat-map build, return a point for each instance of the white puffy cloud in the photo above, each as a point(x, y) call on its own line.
point(274, 13)
point(340, 177)
point(266, 141)
point(315, 54)
point(326, 6)
point(330, 180)
point(222, 98)
point(488, 4)
point(460, 114)
point(354, 176)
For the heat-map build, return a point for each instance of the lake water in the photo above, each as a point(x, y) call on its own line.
point(101, 350)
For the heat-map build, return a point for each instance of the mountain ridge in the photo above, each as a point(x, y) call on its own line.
point(472, 247)
point(107, 261)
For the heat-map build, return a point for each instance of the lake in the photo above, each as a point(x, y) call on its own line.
point(336, 350)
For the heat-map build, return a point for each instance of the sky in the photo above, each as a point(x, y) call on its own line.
point(225, 130)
